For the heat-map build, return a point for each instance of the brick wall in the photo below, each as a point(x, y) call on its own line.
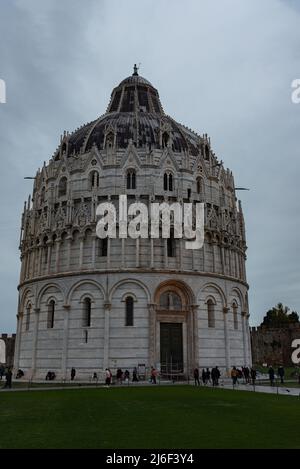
point(273, 345)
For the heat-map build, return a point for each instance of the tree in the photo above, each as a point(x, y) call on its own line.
point(279, 316)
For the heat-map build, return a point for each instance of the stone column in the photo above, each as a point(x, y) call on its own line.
point(94, 241)
point(227, 339)
point(107, 308)
point(123, 253)
point(214, 256)
point(181, 250)
point(152, 335)
point(35, 340)
point(137, 252)
point(18, 340)
point(194, 312)
point(108, 252)
point(223, 260)
point(40, 261)
point(165, 241)
point(27, 269)
point(49, 245)
point(69, 246)
point(245, 341)
point(64, 357)
point(151, 253)
point(248, 338)
point(57, 246)
point(81, 239)
point(23, 261)
point(236, 265)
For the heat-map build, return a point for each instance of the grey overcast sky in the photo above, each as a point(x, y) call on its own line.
point(221, 67)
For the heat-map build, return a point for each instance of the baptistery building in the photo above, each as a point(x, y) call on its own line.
point(92, 303)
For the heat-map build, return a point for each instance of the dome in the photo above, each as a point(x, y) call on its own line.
point(134, 114)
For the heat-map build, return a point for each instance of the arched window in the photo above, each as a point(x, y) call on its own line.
point(131, 179)
point(51, 313)
point(103, 247)
point(87, 310)
point(62, 187)
point(235, 316)
point(168, 182)
point(129, 311)
point(171, 301)
point(210, 313)
point(94, 179)
point(171, 246)
point(28, 313)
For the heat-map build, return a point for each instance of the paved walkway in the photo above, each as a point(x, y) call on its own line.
point(287, 391)
point(266, 389)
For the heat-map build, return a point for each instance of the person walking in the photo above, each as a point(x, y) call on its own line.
point(280, 373)
point(73, 374)
point(196, 377)
point(271, 375)
point(135, 375)
point(214, 376)
point(108, 377)
point(153, 375)
point(8, 377)
point(247, 374)
point(2, 371)
point(253, 375)
point(234, 375)
point(203, 376)
point(126, 376)
point(119, 376)
point(208, 375)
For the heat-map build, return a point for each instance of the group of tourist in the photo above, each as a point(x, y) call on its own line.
point(207, 376)
point(212, 376)
point(245, 373)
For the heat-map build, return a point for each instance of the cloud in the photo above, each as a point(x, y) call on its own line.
point(224, 68)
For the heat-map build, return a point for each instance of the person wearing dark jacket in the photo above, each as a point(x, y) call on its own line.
point(215, 375)
point(8, 376)
point(253, 375)
point(280, 372)
point(73, 373)
point(271, 375)
point(135, 375)
point(196, 377)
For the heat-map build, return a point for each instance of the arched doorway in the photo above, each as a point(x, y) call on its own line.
point(173, 340)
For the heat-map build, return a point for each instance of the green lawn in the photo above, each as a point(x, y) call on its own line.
point(148, 417)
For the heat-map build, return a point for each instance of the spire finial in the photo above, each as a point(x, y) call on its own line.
point(135, 70)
